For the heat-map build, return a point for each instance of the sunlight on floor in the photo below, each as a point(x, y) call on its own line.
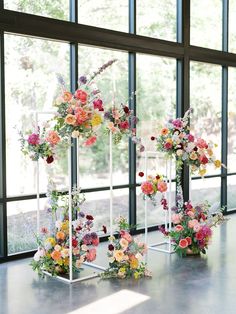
point(114, 304)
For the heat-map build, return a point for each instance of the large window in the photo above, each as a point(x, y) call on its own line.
point(162, 62)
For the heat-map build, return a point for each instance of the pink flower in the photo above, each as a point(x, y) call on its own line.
point(183, 243)
point(167, 145)
point(91, 255)
point(98, 104)
point(124, 125)
point(81, 115)
point(125, 234)
point(90, 141)
point(190, 214)
point(179, 228)
point(192, 223)
point(201, 143)
point(147, 188)
point(95, 241)
point(189, 240)
point(162, 186)
point(191, 138)
point(33, 139)
point(197, 227)
point(177, 123)
point(53, 137)
point(176, 218)
point(81, 95)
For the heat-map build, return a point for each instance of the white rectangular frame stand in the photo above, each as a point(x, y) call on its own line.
point(154, 246)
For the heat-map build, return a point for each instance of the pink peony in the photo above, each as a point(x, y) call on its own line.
point(91, 255)
point(162, 186)
point(125, 234)
point(192, 223)
point(147, 188)
point(197, 227)
point(98, 104)
point(201, 143)
point(183, 243)
point(33, 139)
point(90, 141)
point(176, 218)
point(124, 125)
point(81, 115)
point(179, 228)
point(81, 95)
point(190, 214)
point(177, 123)
point(167, 145)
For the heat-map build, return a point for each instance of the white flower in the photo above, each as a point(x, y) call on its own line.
point(84, 247)
point(190, 147)
point(58, 224)
point(37, 256)
point(138, 256)
point(57, 247)
point(75, 134)
point(47, 245)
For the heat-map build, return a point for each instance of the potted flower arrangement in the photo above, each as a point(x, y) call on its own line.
point(80, 114)
point(53, 246)
point(40, 143)
point(176, 141)
point(152, 186)
point(125, 255)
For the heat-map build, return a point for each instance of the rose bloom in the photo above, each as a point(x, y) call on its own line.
point(125, 234)
point(192, 223)
point(67, 96)
point(65, 253)
point(191, 138)
point(98, 104)
point(190, 214)
point(179, 228)
point(118, 255)
point(56, 255)
point(60, 235)
point(91, 255)
point(189, 240)
point(176, 218)
point(75, 134)
point(81, 95)
point(90, 141)
point(179, 152)
point(124, 243)
point(193, 156)
point(201, 143)
point(147, 188)
point(81, 115)
point(203, 159)
point(197, 227)
point(70, 119)
point(33, 139)
point(162, 186)
point(95, 242)
point(183, 243)
point(164, 131)
point(124, 125)
point(167, 145)
point(53, 138)
point(199, 235)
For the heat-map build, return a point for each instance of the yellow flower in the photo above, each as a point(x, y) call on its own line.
point(133, 262)
point(65, 226)
point(169, 140)
point(52, 241)
point(202, 172)
point(60, 262)
point(136, 275)
point(216, 145)
point(217, 163)
point(66, 261)
point(121, 274)
point(96, 120)
point(118, 255)
point(210, 152)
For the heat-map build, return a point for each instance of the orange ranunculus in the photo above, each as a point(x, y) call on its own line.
point(164, 131)
point(70, 119)
point(56, 255)
point(60, 235)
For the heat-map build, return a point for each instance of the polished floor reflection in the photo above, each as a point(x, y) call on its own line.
point(190, 285)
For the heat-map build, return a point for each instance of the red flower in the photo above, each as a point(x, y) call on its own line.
point(189, 240)
point(89, 217)
point(199, 236)
point(183, 243)
point(74, 242)
point(168, 145)
point(203, 159)
point(153, 138)
point(95, 241)
point(98, 104)
point(111, 247)
point(81, 95)
point(158, 177)
point(124, 125)
point(49, 159)
point(126, 109)
point(141, 174)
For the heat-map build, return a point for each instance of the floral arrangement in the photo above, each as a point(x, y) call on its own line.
point(120, 121)
point(192, 230)
point(53, 247)
point(39, 144)
point(176, 141)
point(80, 114)
point(152, 186)
point(125, 255)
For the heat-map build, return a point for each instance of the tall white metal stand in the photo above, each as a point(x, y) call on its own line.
point(155, 246)
point(111, 182)
point(70, 280)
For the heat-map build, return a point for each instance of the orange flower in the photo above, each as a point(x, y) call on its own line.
point(56, 255)
point(164, 131)
point(133, 262)
point(60, 235)
point(53, 137)
point(67, 96)
point(70, 119)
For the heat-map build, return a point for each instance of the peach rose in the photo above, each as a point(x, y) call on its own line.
point(60, 235)
point(56, 255)
point(124, 243)
point(53, 138)
point(179, 228)
point(91, 255)
point(118, 255)
point(176, 218)
point(70, 119)
point(183, 243)
point(124, 234)
point(162, 186)
point(67, 96)
point(192, 223)
point(147, 188)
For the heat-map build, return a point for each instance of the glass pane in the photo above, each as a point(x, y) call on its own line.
point(156, 214)
point(232, 26)
point(56, 9)
point(206, 23)
point(206, 190)
point(113, 84)
point(31, 85)
point(111, 14)
point(156, 102)
point(98, 204)
point(22, 224)
point(157, 19)
point(232, 121)
point(206, 118)
point(231, 192)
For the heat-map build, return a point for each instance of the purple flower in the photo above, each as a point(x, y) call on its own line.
point(107, 115)
point(60, 79)
point(33, 139)
point(81, 214)
point(198, 208)
point(96, 91)
point(179, 197)
point(134, 120)
point(87, 239)
point(83, 80)
point(94, 236)
point(174, 208)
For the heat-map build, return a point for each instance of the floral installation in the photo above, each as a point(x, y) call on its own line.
point(120, 121)
point(152, 186)
point(176, 141)
point(40, 143)
point(192, 229)
point(80, 114)
point(125, 255)
point(53, 254)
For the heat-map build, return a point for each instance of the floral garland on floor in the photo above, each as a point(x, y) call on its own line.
point(125, 255)
point(53, 247)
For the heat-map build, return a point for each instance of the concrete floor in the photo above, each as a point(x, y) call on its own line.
point(205, 285)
